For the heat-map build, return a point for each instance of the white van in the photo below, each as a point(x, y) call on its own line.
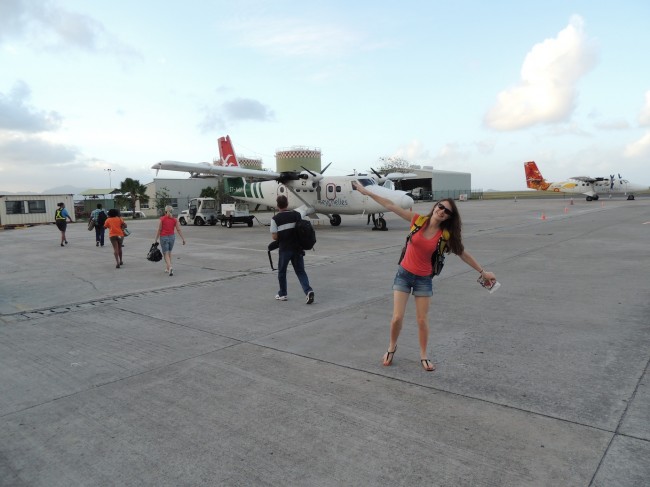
point(129, 214)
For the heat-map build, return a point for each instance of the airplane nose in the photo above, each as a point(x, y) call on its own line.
point(406, 202)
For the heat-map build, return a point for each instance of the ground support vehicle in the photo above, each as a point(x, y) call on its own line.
point(200, 212)
point(232, 213)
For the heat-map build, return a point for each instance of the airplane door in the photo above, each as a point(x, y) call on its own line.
point(330, 191)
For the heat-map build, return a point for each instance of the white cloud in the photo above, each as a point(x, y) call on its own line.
point(298, 37)
point(45, 25)
point(644, 116)
point(640, 148)
point(17, 115)
point(547, 90)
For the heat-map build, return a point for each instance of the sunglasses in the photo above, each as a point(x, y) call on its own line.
point(445, 209)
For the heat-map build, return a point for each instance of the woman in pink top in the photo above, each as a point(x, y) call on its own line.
point(414, 274)
point(168, 224)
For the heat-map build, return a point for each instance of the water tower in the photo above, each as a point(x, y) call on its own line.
point(295, 158)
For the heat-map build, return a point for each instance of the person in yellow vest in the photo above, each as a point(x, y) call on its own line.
point(415, 271)
point(61, 217)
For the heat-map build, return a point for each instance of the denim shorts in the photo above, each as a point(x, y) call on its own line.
point(409, 283)
point(167, 243)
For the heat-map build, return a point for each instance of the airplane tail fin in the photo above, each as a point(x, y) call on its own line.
point(534, 178)
point(226, 152)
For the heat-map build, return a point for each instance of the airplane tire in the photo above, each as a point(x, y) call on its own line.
point(630, 197)
point(596, 197)
point(381, 224)
point(229, 223)
point(250, 223)
point(589, 198)
point(335, 220)
point(182, 221)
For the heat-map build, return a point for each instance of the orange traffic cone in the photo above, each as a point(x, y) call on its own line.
point(543, 216)
point(566, 210)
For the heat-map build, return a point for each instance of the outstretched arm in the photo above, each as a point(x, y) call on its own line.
point(471, 261)
point(386, 203)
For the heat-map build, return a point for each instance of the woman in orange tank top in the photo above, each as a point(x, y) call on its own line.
point(414, 272)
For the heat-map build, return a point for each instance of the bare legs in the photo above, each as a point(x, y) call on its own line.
point(422, 316)
point(117, 250)
point(168, 260)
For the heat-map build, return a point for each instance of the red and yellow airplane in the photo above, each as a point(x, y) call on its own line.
point(591, 187)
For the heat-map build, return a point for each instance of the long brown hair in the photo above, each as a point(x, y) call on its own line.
point(453, 225)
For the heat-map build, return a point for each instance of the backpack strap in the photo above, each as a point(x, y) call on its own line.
point(442, 243)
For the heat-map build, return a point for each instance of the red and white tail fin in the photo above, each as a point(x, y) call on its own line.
point(534, 178)
point(226, 152)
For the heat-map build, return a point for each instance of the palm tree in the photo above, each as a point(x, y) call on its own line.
point(132, 191)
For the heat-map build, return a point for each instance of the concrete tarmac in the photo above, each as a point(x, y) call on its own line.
point(129, 377)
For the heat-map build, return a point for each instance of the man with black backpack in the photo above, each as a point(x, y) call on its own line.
point(283, 229)
point(99, 216)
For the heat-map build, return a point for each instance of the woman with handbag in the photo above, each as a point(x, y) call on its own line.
point(168, 224)
point(116, 226)
point(415, 271)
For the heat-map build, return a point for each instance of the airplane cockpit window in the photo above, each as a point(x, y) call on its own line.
point(367, 181)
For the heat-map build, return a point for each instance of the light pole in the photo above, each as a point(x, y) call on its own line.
point(109, 177)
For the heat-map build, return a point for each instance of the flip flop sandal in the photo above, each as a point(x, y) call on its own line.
point(427, 365)
point(389, 357)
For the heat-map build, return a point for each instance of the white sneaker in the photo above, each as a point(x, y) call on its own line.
point(171, 272)
point(310, 297)
point(280, 298)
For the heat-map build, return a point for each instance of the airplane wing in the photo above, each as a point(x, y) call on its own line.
point(398, 176)
point(586, 179)
point(207, 168)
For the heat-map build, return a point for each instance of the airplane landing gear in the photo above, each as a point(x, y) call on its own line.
point(335, 220)
point(380, 224)
point(630, 197)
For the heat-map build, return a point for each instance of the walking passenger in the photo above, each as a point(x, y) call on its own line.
point(282, 230)
point(168, 224)
point(116, 226)
point(61, 217)
point(99, 217)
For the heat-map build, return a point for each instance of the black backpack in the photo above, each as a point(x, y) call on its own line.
point(305, 234)
point(101, 218)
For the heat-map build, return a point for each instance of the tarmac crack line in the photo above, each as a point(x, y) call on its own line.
point(620, 424)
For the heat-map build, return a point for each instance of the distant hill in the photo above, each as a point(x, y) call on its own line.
point(66, 189)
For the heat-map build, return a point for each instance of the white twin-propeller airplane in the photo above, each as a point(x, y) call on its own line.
point(590, 187)
point(308, 192)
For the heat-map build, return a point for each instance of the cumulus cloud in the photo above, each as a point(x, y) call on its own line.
point(237, 110)
point(547, 91)
point(16, 114)
point(45, 25)
point(644, 116)
point(639, 148)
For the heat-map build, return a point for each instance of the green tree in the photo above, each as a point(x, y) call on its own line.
point(132, 192)
point(210, 192)
point(163, 198)
point(394, 164)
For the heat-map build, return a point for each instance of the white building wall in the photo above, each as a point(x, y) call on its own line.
point(180, 190)
point(32, 209)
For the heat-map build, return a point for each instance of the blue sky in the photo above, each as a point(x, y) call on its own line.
point(472, 86)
